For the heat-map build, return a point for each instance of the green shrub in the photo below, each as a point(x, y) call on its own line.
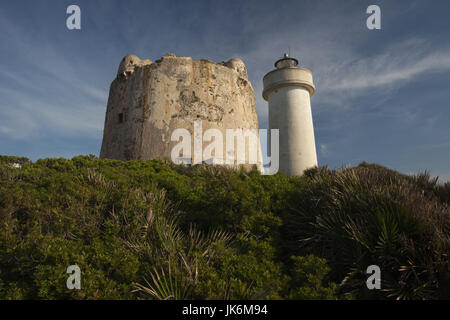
point(154, 230)
point(369, 215)
point(309, 279)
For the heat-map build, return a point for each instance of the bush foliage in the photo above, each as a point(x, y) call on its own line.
point(153, 230)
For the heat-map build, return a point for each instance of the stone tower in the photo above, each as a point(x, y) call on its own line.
point(288, 90)
point(149, 100)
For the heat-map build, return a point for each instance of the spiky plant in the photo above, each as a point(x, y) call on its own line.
point(368, 215)
point(176, 256)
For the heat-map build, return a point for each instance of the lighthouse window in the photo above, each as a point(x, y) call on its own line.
point(121, 118)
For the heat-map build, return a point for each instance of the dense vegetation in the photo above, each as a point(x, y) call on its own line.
point(152, 230)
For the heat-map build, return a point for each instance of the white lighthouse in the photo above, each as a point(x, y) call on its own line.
point(288, 90)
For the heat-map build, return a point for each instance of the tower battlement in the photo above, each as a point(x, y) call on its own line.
point(149, 100)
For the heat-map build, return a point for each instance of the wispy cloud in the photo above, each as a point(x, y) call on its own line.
point(392, 67)
point(50, 94)
point(29, 118)
point(324, 150)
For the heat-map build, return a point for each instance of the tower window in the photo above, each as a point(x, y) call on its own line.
point(120, 118)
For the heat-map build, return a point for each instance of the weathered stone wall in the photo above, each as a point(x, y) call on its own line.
point(148, 101)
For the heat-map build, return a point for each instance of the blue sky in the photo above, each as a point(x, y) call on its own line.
point(382, 95)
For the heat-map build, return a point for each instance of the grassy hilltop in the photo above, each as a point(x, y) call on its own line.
point(152, 230)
